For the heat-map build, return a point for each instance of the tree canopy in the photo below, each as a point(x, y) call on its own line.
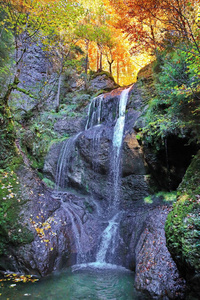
point(63, 23)
point(112, 33)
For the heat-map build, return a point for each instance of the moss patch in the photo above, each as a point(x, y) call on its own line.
point(48, 183)
point(7, 136)
point(12, 231)
point(183, 222)
point(161, 197)
point(94, 74)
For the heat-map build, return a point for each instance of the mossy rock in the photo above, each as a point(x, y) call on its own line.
point(94, 74)
point(101, 81)
point(146, 73)
point(12, 230)
point(183, 226)
point(7, 136)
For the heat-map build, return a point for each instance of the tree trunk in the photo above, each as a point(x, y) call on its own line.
point(101, 61)
point(86, 57)
point(110, 67)
point(86, 63)
point(97, 59)
point(7, 129)
point(117, 71)
point(110, 60)
point(154, 40)
point(100, 58)
point(59, 83)
point(58, 93)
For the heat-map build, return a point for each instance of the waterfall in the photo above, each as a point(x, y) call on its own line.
point(94, 112)
point(69, 207)
point(107, 247)
point(109, 235)
point(77, 228)
point(63, 162)
point(117, 144)
point(96, 147)
point(108, 240)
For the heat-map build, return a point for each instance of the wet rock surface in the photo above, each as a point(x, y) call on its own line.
point(90, 162)
point(71, 127)
point(50, 166)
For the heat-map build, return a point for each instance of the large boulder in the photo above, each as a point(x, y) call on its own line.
point(156, 272)
point(101, 81)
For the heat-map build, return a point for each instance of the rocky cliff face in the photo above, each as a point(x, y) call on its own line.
point(37, 81)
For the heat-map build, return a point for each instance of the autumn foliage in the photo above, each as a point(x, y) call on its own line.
point(66, 23)
point(108, 31)
point(150, 24)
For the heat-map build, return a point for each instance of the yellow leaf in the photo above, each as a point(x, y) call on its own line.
point(34, 280)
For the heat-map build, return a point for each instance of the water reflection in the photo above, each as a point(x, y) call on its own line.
point(78, 285)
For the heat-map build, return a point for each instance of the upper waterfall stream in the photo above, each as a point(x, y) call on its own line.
point(117, 144)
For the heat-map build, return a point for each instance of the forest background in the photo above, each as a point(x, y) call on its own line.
point(111, 35)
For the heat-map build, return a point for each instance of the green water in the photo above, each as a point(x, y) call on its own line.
point(78, 285)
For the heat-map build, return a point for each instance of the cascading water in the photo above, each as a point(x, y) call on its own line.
point(70, 208)
point(77, 228)
point(109, 238)
point(63, 162)
point(117, 145)
point(94, 112)
point(96, 143)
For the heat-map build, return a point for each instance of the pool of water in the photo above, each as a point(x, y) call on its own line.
point(78, 284)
